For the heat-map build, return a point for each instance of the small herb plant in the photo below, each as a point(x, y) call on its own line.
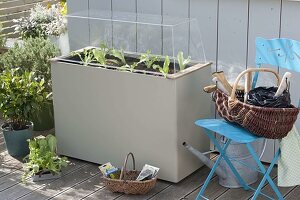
point(165, 69)
point(86, 56)
point(149, 59)
point(43, 157)
point(21, 96)
point(181, 61)
point(109, 56)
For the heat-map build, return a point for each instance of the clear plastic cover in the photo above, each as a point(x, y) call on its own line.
point(137, 33)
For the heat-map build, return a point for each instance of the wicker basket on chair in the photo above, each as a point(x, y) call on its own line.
point(273, 123)
point(126, 181)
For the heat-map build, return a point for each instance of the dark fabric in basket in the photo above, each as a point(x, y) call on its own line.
point(273, 123)
point(264, 97)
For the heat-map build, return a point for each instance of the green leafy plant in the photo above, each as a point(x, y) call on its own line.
point(165, 69)
point(128, 67)
point(43, 157)
point(21, 96)
point(119, 54)
point(101, 53)
point(86, 56)
point(32, 55)
point(148, 59)
point(182, 61)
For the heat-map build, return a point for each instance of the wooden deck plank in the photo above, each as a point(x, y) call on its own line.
point(19, 189)
point(103, 193)
point(83, 189)
point(160, 186)
point(9, 166)
point(294, 194)
point(241, 193)
point(189, 184)
point(213, 190)
point(60, 185)
point(268, 190)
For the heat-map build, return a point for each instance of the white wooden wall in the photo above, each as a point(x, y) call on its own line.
point(228, 28)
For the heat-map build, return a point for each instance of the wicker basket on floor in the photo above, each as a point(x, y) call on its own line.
point(125, 181)
point(273, 123)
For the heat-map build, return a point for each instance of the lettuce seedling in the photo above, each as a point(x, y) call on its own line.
point(165, 69)
point(148, 59)
point(181, 61)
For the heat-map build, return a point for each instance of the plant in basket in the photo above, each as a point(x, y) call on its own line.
point(43, 162)
point(21, 96)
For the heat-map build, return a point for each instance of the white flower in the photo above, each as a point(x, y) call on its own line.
point(42, 22)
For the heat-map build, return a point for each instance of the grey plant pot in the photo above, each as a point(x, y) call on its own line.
point(102, 114)
point(47, 175)
point(16, 141)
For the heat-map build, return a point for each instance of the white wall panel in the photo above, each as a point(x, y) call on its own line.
point(233, 19)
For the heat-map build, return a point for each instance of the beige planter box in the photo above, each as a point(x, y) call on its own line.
point(102, 114)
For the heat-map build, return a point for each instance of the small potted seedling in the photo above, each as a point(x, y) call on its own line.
point(43, 161)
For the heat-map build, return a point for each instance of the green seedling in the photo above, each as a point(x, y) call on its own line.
point(120, 55)
point(128, 67)
point(148, 59)
point(87, 56)
point(165, 69)
point(181, 61)
point(43, 157)
point(99, 56)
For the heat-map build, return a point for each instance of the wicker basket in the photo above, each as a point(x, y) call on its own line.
point(126, 181)
point(273, 123)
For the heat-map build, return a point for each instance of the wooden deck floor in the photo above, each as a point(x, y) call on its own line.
point(81, 180)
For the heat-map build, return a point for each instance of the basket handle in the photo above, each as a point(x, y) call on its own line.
point(123, 171)
point(248, 72)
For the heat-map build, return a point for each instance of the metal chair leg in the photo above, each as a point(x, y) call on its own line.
point(201, 193)
point(223, 153)
point(266, 173)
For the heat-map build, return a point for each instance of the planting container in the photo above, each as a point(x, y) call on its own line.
point(45, 176)
point(16, 141)
point(101, 114)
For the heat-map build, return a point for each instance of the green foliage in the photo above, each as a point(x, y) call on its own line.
point(165, 69)
point(101, 53)
point(119, 54)
point(181, 61)
point(86, 56)
point(2, 38)
point(33, 55)
point(43, 157)
point(21, 96)
point(148, 59)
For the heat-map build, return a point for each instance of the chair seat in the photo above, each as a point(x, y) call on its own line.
point(227, 129)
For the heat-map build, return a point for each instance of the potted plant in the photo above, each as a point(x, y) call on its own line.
point(20, 98)
point(33, 55)
point(121, 101)
point(43, 163)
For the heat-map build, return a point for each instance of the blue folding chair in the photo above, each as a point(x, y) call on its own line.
point(283, 53)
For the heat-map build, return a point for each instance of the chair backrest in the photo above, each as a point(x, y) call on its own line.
point(281, 52)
